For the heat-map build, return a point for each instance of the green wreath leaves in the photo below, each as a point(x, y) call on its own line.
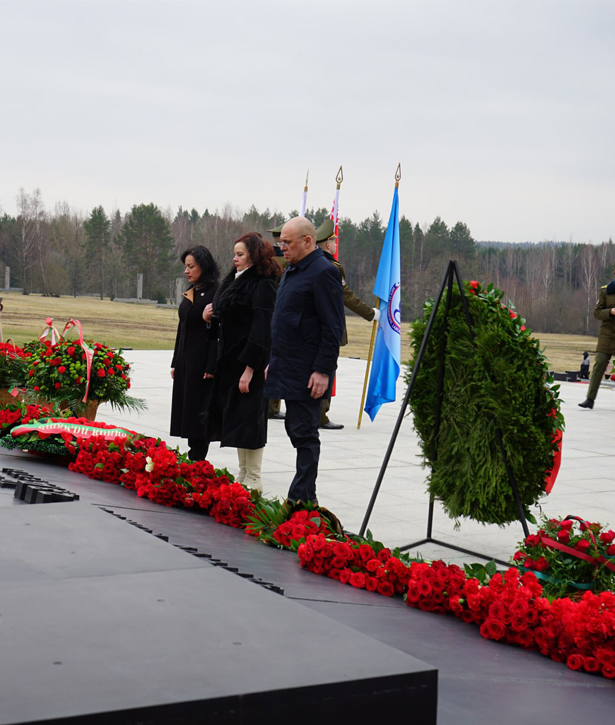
point(497, 385)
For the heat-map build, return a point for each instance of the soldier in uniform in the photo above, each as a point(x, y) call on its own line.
point(605, 311)
point(274, 406)
point(325, 239)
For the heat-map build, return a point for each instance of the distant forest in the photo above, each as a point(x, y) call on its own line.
point(554, 285)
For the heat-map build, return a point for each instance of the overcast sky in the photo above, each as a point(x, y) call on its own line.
point(501, 113)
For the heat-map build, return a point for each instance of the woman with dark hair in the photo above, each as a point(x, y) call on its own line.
point(242, 306)
point(195, 351)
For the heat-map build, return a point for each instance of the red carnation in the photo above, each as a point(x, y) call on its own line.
point(100, 373)
point(61, 369)
point(58, 385)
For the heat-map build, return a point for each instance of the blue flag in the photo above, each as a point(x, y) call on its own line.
point(387, 350)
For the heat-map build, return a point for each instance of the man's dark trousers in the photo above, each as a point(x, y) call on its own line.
point(301, 424)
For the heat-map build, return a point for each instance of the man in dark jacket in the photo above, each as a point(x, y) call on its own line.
point(325, 239)
point(605, 311)
point(307, 326)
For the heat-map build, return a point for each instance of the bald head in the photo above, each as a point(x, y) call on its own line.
point(297, 239)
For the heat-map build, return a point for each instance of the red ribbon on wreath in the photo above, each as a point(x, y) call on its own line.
point(557, 461)
point(89, 353)
point(595, 560)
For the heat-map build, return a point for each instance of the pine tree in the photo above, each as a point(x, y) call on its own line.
point(98, 233)
point(149, 249)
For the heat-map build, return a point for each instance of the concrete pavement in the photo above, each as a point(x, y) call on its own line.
point(351, 460)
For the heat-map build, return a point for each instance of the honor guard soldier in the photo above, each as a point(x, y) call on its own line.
point(605, 311)
point(325, 239)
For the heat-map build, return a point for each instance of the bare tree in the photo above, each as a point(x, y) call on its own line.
point(589, 279)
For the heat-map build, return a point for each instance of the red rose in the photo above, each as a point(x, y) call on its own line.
point(606, 537)
point(36, 387)
point(532, 540)
point(575, 662)
point(567, 524)
point(563, 536)
point(386, 589)
point(61, 369)
point(345, 575)
point(611, 550)
point(582, 545)
point(542, 564)
point(58, 386)
point(357, 579)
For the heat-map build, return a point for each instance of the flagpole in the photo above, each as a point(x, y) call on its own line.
point(375, 325)
point(339, 177)
point(369, 360)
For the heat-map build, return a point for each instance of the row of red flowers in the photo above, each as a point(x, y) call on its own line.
point(510, 608)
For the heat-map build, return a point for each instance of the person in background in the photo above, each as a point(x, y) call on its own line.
point(241, 311)
point(274, 410)
point(584, 369)
point(195, 350)
point(307, 326)
point(604, 311)
point(325, 239)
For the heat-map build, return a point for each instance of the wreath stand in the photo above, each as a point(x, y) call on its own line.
point(452, 274)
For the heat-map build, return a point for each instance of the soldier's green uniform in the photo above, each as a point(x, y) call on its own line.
point(274, 406)
point(606, 341)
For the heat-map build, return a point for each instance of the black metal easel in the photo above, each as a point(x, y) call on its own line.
point(452, 273)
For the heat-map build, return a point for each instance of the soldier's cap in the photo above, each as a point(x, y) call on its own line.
point(325, 231)
point(276, 231)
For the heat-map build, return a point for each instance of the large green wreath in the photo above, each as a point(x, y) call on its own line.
point(498, 384)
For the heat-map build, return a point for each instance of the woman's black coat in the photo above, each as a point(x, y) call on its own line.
point(243, 309)
point(195, 351)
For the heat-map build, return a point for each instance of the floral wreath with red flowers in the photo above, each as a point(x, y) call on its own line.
point(569, 554)
point(59, 372)
point(497, 392)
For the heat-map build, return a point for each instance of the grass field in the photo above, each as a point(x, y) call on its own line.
point(146, 327)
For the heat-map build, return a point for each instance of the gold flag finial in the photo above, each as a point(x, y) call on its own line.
point(397, 175)
point(339, 177)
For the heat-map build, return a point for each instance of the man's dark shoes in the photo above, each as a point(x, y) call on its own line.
point(587, 403)
point(331, 426)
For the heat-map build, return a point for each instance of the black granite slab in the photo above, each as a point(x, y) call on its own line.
point(102, 622)
point(480, 682)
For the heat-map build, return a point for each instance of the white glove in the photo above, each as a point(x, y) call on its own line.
point(376, 314)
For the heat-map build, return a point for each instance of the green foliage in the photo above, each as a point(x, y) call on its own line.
point(482, 572)
point(498, 384)
point(149, 248)
point(98, 234)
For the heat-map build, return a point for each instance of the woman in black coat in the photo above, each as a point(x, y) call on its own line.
point(195, 353)
point(242, 308)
